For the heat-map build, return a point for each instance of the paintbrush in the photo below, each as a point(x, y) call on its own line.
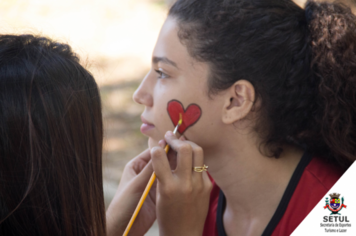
point(149, 185)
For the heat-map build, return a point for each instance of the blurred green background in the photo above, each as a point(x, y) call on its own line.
point(114, 39)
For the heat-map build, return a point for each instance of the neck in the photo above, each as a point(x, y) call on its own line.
point(249, 180)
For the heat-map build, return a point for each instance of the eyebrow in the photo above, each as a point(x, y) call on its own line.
point(155, 60)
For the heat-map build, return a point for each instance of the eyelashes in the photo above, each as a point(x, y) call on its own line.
point(161, 74)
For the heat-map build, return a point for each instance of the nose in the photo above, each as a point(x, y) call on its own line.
point(143, 94)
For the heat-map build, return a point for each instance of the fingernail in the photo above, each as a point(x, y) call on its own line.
point(169, 133)
point(161, 143)
point(182, 138)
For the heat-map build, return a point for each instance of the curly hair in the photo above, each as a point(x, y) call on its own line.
point(300, 62)
point(333, 41)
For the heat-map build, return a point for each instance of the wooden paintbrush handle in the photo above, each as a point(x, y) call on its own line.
point(143, 198)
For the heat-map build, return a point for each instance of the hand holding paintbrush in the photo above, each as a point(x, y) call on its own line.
point(148, 187)
point(182, 194)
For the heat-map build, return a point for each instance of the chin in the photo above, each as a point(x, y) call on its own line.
point(152, 142)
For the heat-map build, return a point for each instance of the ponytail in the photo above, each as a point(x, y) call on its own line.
point(332, 30)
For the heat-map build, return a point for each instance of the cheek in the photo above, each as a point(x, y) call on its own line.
point(189, 115)
point(161, 120)
point(202, 132)
point(209, 129)
point(164, 123)
point(206, 133)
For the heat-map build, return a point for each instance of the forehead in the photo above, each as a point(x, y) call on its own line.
point(168, 44)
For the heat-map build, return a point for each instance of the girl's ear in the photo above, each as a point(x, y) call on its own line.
point(240, 98)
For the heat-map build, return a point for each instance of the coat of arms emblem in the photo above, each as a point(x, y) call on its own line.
point(335, 205)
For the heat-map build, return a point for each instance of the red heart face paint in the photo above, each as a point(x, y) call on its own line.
point(190, 115)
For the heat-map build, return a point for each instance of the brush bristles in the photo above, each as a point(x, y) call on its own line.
point(180, 119)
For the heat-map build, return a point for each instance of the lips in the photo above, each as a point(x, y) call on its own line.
point(146, 126)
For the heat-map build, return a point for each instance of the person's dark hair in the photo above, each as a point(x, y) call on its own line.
point(302, 64)
point(51, 138)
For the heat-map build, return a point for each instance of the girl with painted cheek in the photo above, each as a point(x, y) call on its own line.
point(275, 86)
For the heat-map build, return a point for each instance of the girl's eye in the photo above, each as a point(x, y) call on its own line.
point(161, 75)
